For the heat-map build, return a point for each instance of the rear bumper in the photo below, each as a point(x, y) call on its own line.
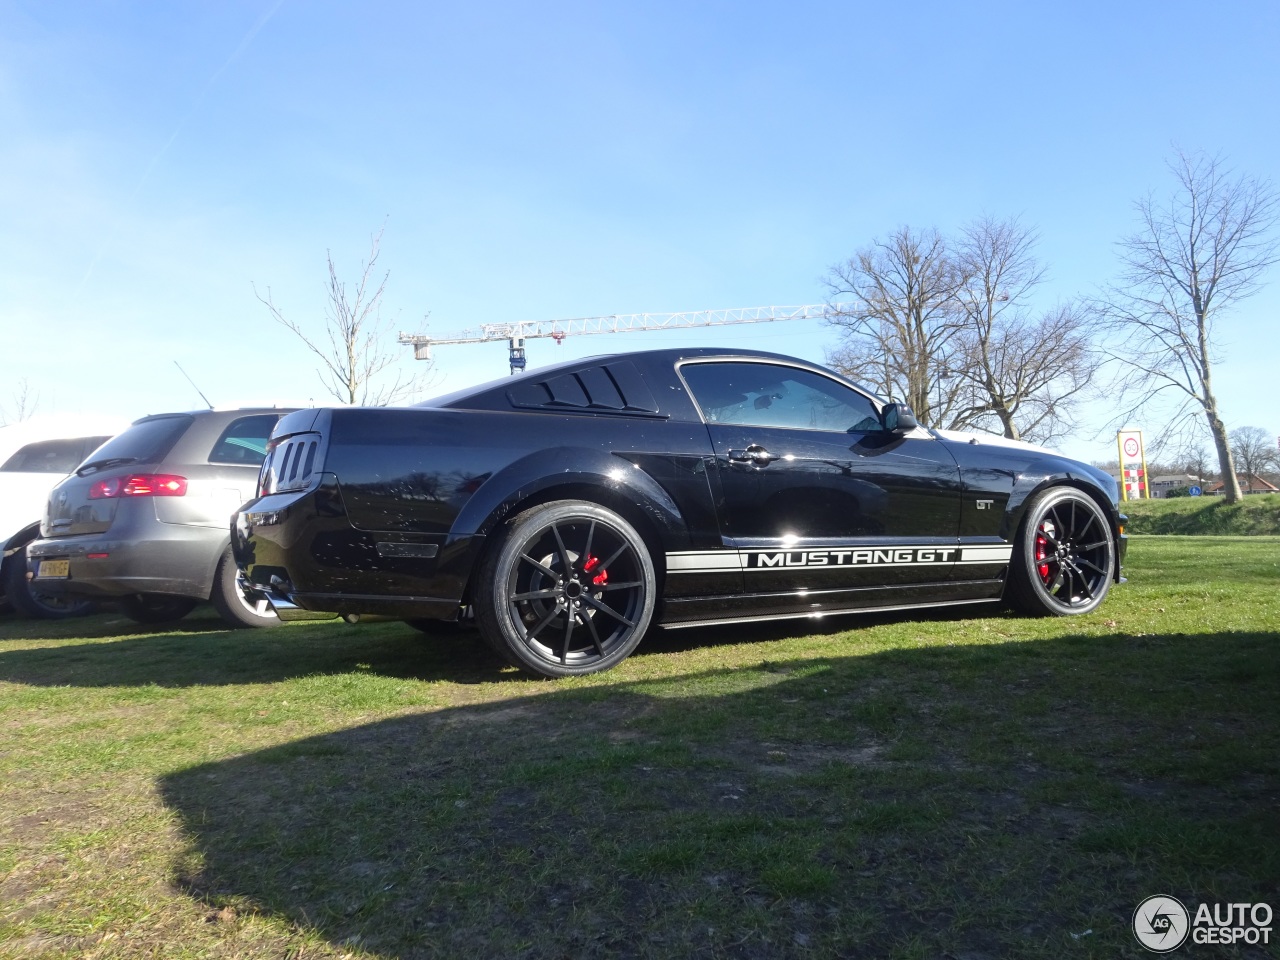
point(300, 551)
point(174, 559)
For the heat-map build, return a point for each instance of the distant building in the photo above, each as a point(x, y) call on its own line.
point(1160, 486)
point(1248, 484)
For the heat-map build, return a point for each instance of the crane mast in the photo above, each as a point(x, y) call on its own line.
point(518, 332)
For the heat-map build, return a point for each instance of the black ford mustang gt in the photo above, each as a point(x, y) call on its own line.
point(573, 507)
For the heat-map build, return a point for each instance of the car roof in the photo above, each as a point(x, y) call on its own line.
point(671, 355)
point(224, 414)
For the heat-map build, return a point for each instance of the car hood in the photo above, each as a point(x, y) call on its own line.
point(992, 440)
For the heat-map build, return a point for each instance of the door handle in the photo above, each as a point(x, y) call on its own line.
point(753, 454)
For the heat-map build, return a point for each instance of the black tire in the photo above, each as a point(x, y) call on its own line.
point(28, 599)
point(231, 604)
point(1065, 555)
point(568, 589)
point(155, 607)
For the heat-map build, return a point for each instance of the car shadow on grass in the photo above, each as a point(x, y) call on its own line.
point(982, 801)
point(201, 651)
point(212, 655)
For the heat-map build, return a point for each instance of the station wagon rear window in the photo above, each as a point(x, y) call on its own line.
point(145, 442)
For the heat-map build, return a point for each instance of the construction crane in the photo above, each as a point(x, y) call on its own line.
point(517, 333)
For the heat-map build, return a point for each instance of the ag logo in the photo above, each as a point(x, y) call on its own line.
point(1161, 924)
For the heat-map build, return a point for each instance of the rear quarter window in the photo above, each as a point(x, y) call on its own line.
point(244, 441)
point(615, 387)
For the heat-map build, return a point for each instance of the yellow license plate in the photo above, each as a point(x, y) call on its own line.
point(53, 569)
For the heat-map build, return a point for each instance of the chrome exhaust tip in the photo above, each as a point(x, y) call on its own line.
point(284, 608)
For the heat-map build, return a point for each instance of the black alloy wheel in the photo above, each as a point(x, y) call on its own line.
point(1065, 557)
point(569, 590)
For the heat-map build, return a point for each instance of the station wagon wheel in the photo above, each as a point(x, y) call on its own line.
point(27, 598)
point(569, 589)
point(234, 607)
point(155, 607)
point(1064, 559)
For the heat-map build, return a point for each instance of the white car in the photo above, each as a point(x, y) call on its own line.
point(34, 455)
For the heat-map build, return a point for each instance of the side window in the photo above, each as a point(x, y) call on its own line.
point(771, 395)
point(244, 442)
point(47, 456)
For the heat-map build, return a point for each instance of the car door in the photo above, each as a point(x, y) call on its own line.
point(814, 494)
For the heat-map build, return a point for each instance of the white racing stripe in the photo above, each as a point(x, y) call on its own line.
point(705, 561)
point(732, 561)
point(998, 553)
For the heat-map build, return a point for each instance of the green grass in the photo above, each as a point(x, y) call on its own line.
point(980, 786)
point(1258, 514)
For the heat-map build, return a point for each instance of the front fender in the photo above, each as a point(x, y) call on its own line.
point(1053, 472)
point(575, 469)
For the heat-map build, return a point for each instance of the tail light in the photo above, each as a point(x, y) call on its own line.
point(291, 464)
point(139, 485)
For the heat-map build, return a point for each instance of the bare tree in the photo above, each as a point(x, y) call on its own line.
point(359, 343)
point(1195, 255)
point(25, 402)
point(949, 328)
point(1024, 372)
point(1196, 460)
point(1254, 449)
point(898, 333)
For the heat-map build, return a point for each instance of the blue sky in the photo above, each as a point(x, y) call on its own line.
point(566, 160)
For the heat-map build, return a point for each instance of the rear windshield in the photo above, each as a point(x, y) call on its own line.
point(144, 442)
point(245, 440)
point(51, 456)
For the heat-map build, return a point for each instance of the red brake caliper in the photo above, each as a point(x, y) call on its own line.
point(601, 578)
point(1042, 551)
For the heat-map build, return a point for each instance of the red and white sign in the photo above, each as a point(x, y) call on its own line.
point(1133, 464)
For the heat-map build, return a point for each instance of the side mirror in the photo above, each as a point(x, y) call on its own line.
point(898, 418)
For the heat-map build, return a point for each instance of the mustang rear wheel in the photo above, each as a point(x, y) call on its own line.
point(569, 589)
point(1065, 555)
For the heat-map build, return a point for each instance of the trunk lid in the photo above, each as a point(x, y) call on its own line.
point(71, 512)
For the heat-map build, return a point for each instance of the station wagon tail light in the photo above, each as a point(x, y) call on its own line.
point(139, 485)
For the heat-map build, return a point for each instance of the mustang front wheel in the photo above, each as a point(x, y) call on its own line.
point(569, 590)
point(1065, 555)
